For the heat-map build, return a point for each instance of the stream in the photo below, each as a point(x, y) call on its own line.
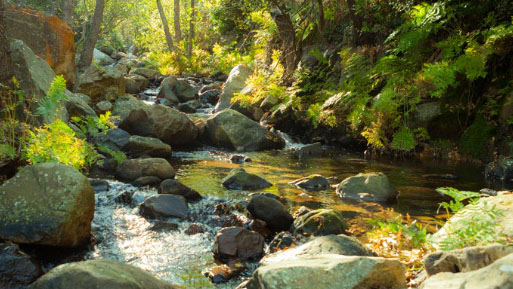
point(122, 234)
point(174, 255)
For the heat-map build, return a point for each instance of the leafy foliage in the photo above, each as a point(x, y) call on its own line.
point(480, 229)
point(49, 106)
point(57, 142)
point(403, 139)
point(476, 138)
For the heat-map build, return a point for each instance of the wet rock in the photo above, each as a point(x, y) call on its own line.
point(312, 183)
point(189, 107)
point(235, 83)
point(148, 73)
point(114, 139)
point(271, 211)
point(165, 123)
point(47, 204)
point(223, 273)
point(320, 222)
point(330, 271)
point(233, 130)
point(177, 90)
point(174, 187)
point(331, 244)
point(194, 229)
point(282, 240)
point(488, 192)
point(147, 181)
point(210, 96)
point(135, 83)
point(125, 104)
point(103, 106)
point(17, 269)
point(499, 173)
point(140, 145)
point(260, 227)
point(497, 275)
point(239, 179)
point(164, 206)
point(49, 37)
point(464, 260)
point(503, 203)
point(238, 243)
point(231, 220)
point(99, 185)
point(106, 83)
point(164, 226)
point(102, 58)
point(125, 198)
point(99, 274)
point(368, 187)
point(314, 149)
point(237, 159)
point(130, 170)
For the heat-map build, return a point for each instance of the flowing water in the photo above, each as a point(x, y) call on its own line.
point(124, 235)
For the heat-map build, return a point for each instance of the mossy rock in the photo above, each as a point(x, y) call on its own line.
point(320, 223)
point(239, 179)
point(476, 138)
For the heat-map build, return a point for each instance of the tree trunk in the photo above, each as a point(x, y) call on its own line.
point(92, 36)
point(67, 11)
point(357, 22)
point(289, 48)
point(178, 30)
point(322, 21)
point(191, 31)
point(169, 39)
point(6, 65)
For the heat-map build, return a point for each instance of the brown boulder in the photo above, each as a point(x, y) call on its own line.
point(238, 243)
point(48, 36)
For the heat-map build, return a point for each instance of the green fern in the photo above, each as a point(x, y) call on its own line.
point(403, 139)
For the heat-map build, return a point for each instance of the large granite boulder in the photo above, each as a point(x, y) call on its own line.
point(48, 37)
point(106, 83)
point(330, 244)
point(34, 76)
point(499, 274)
point(235, 83)
point(464, 260)
point(238, 243)
point(368, 187)
point(17, 269)
point(130, 170)
point(239, 179)
point(165, 206)
point(77, 106)
point(271, 211)
point(107, 274)
point(167, 124)
point(233, 130)
point(330, 271)
point(47, 204)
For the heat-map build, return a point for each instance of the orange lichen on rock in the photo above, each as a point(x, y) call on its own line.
point(48, 36)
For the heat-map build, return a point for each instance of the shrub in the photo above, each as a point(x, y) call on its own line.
point(476, 138)
point(56, 142)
